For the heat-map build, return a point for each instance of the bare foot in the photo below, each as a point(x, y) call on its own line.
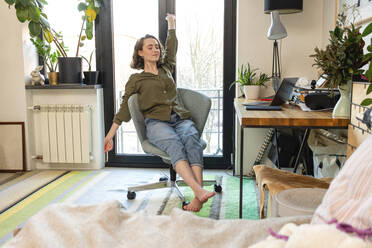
point(204, 195)
point(194, 206)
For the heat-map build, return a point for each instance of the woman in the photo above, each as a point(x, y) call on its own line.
point(168, 123)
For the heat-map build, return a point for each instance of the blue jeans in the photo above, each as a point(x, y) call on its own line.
point(178, 138)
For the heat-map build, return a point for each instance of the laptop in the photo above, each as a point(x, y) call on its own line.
point(283, 94)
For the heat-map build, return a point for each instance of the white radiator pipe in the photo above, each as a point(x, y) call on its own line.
point(38, 107)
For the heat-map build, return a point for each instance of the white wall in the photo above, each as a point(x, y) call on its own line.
point(306, 30)
point(17, 59)
point(12, 68)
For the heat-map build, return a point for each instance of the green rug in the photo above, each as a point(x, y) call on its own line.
point(92, 187)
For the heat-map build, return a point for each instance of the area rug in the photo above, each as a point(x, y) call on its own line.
point(92, 187)
point(22, 186)
point(6, 177)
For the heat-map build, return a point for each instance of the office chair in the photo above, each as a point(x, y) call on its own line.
point(199, 106)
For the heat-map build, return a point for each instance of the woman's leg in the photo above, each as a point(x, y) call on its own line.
point(163, 135)
point(194, 151)
point(201, 195)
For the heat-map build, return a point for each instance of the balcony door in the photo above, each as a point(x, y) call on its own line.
point(205, 63)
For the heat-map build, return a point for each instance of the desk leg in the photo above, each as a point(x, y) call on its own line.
point(304, 139)
point(241, 173)
point(277, 148)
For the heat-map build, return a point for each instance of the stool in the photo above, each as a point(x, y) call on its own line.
point(299, 201)
point(275, 181)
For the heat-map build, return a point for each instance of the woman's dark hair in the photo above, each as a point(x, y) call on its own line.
point(137, 61)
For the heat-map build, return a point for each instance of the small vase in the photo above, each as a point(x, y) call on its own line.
point(342, 108)
point(252, 92)
point(53, 78)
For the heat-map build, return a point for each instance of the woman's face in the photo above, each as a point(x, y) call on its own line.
point(150, 51)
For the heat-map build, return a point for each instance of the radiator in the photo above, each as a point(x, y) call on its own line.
point(65, 133)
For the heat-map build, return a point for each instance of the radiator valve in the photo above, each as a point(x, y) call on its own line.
point(37, 157)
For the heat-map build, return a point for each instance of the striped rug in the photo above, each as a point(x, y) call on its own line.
point(92, 187)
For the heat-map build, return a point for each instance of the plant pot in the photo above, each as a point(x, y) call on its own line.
point(53, 77)
point(252, 92)
point(91, 77)
point(342, 108)
point(70, 70)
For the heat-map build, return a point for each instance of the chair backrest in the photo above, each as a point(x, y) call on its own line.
point(198, 104)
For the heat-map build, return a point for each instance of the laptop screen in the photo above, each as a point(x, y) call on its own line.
point(284, 92)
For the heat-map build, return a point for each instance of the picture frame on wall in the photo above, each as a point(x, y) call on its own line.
point(12, 147)
point(364, 8)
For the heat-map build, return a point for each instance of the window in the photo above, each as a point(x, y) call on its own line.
point(205, 62)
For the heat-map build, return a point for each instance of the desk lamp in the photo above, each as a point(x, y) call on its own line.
point(277, 30)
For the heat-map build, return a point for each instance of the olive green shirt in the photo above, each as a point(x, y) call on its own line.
point(157, 94)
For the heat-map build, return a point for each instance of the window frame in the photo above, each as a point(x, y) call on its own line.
point(104, 35)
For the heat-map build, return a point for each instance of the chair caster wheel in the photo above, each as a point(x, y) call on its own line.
point(185, 203)
point(164, 178)
point(131, 195)
point(218, 188)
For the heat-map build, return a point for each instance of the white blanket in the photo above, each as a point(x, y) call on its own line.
point(310, 236)
point(108, 225)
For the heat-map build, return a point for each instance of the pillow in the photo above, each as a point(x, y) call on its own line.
point(349, 197)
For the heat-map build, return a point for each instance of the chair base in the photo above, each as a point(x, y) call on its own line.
point(169, 184)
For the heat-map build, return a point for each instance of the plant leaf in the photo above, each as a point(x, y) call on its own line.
point(34, 14)
point(82, 7)
point(10, 2)
point(366, 102)
point(369, 90)
point(369, 72)
point(89, 30)
point(22, 14)
point(367, 30)
point(24, 3)
point(48, 36)
point(91, 14)
point(44, 21)
point(34, 28)
point(43, 2)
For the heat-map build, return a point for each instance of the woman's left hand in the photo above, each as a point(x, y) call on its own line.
point(171, 21)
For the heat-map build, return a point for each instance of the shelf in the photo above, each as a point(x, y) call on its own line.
point(63, 86)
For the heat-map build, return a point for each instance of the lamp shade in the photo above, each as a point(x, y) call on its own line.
point(283, 6)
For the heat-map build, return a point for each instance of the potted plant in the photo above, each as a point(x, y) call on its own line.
point(90, 77)
point(341, 60)
point(70, 68)
point(247, 79)
point(50, 58)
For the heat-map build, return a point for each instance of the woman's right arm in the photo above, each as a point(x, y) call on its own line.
point(108, 143)
point(122, 115)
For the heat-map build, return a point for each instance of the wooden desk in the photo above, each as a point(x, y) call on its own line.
point(291, 116)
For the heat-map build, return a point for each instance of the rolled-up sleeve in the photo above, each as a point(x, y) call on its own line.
point(123, 113)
